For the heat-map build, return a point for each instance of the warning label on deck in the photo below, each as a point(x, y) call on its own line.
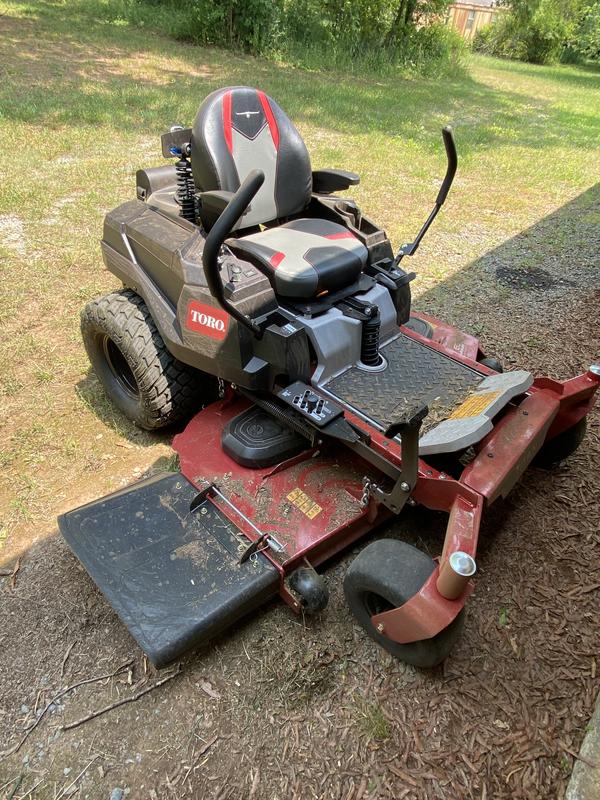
point(303, 502)
point(474, 405)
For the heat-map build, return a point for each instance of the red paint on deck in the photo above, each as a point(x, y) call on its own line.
point(423, 616)
point(332, 480)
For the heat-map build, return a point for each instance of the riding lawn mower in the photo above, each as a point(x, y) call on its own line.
point(265, 308)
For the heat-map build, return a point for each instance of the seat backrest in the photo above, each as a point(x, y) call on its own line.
point(240, 129)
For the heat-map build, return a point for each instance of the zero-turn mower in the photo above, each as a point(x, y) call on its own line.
point(275, 312)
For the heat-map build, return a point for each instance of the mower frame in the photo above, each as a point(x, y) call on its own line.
point(547, 408)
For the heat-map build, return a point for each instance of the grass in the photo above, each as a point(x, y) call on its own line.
point(83, 101)
point(372, 721)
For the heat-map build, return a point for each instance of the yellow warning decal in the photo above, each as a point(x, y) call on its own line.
point(303, 502)
point(474, 405)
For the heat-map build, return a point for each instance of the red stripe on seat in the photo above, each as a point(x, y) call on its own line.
point(270, 118)
point(344, 235)
point(227, 120)
point(276, 259)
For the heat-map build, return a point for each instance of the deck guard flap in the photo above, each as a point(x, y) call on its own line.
point(173, 576)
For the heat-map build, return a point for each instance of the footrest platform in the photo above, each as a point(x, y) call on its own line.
point(173, 576)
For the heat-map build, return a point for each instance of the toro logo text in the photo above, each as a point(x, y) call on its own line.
point(210, 321)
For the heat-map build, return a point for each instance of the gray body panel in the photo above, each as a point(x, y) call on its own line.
point(160, 258)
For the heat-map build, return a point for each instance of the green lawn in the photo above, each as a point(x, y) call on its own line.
point(82, 104)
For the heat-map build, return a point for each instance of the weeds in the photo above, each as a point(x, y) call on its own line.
point(372, 721)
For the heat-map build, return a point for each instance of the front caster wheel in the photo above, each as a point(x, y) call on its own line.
point(310, 588)
point(385, 575)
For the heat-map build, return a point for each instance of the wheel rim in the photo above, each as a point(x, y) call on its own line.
point(119, 367)
point(376, 604)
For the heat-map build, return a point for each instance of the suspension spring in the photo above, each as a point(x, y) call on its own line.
point(369, 350)
point(185, 189)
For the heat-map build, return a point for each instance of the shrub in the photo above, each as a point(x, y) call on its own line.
point(534, 32)
point(585, 42)
point(484, 40)
point(248, 25)
point(353, 35)
point(433, 50)
point(546, 34)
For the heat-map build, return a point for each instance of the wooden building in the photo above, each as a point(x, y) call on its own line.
point(468, 16)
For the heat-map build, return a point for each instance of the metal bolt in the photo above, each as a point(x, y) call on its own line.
point(490, 455)
point(203, 511)
point(526, 413)
point(380, 628)
point(405, 486)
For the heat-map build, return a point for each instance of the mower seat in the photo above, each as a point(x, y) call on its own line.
point(238, 130)
point(304, 257)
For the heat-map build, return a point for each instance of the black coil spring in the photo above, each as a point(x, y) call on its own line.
point(185, 189)
point(369, 350)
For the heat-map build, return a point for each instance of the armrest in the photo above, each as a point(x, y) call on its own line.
point(216, 201)
point(326, 181)
point(212, 205)
point(152, 179)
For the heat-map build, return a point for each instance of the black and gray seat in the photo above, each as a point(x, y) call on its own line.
point(240, 129)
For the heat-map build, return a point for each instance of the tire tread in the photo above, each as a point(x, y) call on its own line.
point(169, 389)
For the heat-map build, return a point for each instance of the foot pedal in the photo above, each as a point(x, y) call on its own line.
point(472, 419)
point(256, 439)
point(173, 576)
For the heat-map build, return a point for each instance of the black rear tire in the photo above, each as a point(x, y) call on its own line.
point(146, 383)
point(562, 446)
point(385, 575)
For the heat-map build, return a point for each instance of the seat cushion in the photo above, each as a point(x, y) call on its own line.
point(305, 257)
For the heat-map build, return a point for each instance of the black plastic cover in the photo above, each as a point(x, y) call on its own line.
point(326, 181)
point(173, 576)
point(154, 178)
point(256, 439)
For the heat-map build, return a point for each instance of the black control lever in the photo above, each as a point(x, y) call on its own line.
point(232, 212)
point(403, 425)
point(411, 248)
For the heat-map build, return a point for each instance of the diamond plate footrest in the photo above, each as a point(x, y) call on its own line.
point(472, 420)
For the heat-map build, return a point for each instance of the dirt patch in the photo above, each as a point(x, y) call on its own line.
point(12, 233)
point(192, 550)
point(531, 278)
